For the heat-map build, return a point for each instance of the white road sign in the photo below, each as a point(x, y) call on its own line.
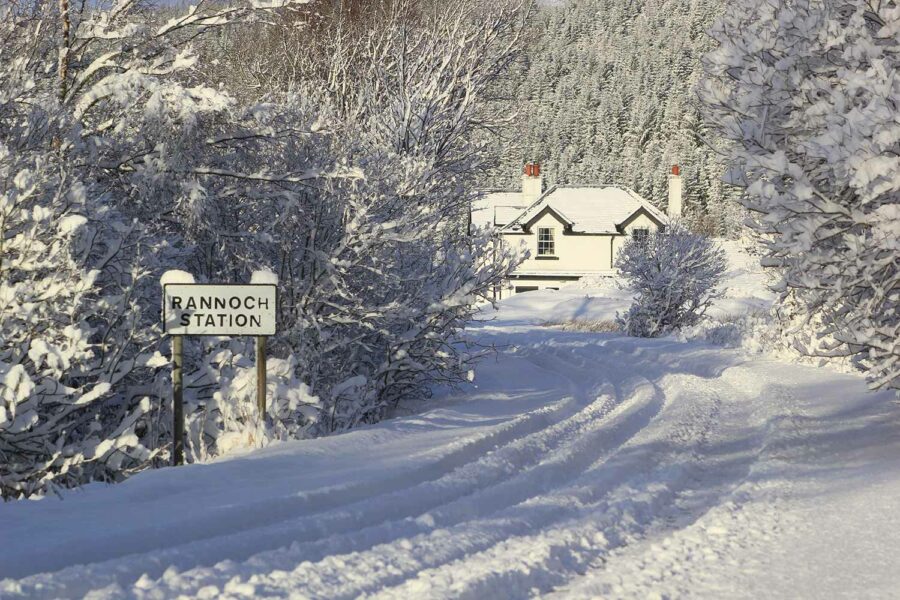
point(219, 309)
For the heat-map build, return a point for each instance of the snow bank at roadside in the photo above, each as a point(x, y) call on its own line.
point(740, 319)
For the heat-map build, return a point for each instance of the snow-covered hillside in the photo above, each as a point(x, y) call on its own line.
point(577, 465)
point(606, 97)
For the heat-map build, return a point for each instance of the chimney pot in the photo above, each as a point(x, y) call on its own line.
point(532, 169)
point(676, 170)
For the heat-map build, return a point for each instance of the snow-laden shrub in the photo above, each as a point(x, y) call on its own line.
point(221, 411)
point(808, 92)
point(67, 311)
point(378, 276)
point(102, 136)
point(674, 274)
point(56, 425)
point(126, 155)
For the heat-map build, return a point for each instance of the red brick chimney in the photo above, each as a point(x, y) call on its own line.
point(532, 183)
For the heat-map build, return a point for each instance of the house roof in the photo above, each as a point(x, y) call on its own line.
point(503, 215)
point(541, 273)
point(586, 209)
point(498, 208)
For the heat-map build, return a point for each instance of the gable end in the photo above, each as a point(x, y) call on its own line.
point(563, 220)
point(639, 212)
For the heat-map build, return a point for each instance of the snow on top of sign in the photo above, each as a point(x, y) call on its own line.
point(176, 276)
point(264, 276)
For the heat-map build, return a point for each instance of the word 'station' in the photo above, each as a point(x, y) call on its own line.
point(201, 309)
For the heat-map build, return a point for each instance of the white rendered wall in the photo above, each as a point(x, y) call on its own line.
point(574, 252)
point(641, 221)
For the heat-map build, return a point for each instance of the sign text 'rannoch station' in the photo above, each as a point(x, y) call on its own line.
point(201, 309)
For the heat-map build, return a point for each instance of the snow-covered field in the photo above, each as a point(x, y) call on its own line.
point(578, 465)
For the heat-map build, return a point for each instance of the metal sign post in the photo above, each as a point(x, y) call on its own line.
point(261, 376)
point(226, 309)
point(178, 400)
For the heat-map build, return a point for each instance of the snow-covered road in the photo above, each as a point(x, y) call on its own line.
point(581, 465)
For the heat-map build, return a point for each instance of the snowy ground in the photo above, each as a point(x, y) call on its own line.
point(579, 465)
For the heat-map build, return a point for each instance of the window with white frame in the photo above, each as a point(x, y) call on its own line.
point(546, 244)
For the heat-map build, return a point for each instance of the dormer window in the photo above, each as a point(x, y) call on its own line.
point(546, 244)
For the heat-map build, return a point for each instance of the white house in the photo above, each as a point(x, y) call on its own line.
point(571, 231)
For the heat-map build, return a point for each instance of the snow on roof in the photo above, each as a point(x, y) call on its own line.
point(497, 208)
point(548, 274)
point(507, 214)
point(598, 209)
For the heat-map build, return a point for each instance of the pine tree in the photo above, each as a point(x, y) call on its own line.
point(607, 97)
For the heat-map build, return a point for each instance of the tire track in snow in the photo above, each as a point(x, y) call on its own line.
point(537, 430)
point(276, 511)
point(614, 504)
point(453, 502)
point(539, 564)
point(393, 562)
point(697, 541)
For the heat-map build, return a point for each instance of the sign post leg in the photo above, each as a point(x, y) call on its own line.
point(261, 376)
point(178, 401)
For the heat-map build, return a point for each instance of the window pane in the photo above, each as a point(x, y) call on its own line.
point(641, 235)
point(545, 241)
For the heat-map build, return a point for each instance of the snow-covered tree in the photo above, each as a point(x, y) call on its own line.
point(674, 274)
point(104, 141)
point(127, 149)
point(64, 317)
point(378, 276)
point(807, 92)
